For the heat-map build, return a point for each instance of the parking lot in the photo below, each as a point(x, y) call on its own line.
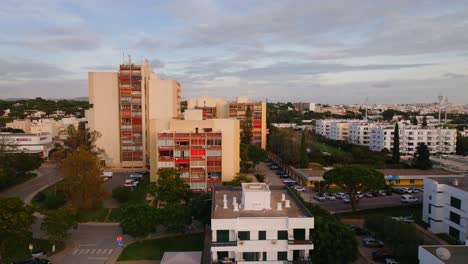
point(338, 205)
point(117, 180)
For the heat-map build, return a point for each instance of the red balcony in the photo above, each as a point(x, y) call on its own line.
point(182, 161)
point(197, 170)
point(257, 124)
point(197, 152)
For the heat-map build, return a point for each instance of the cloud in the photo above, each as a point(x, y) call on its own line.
point(101, 68)
point(157, 64)
point(454, 75)
point(148, 44)
point(63, 88)
point(26, 69)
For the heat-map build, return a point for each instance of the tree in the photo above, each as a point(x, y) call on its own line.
point(421, 157)
point(82, 183)
point(200, 207)
point(354, 178)
point(170, 188)
point(396, 145)
point(414, 121)
point(247, 125)
point(462, 145)
point(122, 194)
point(139, 220)
point(256, 155)
point(424, 121)
point(175, 217)
point(76, 139)
point(239, 179)
point(244, 157)
point(304, 159)
point(58, 222)
point(16, 219)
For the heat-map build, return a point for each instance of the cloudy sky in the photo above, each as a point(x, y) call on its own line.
point(334, 51)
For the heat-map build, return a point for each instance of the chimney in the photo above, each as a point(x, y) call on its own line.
point(455, 182)
point(225, 204)
point(236, 207)
point(283, 197)
point(279, 206)
point(287, 204)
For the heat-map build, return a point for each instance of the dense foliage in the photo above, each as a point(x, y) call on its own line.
point(462, 145)
point(57, 223)
point(170, 188)
point(421, 157)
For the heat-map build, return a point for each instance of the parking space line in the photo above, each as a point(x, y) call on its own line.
point(98, 251)
point(104, 251)
point(110, 251)
point(92, 251)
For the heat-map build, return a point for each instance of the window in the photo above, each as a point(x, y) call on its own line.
point(397, 181)
point(251, 256)
point(454, 232)
point(261, 235)
point(264, 256)
point(243, 235)
point(222, 235)
point(430, 208)
point(282, 255)
point(454, 217)
point(282, 235)
point(411, 181)
point(455, 202)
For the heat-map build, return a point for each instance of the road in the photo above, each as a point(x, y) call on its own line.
point(47, 175)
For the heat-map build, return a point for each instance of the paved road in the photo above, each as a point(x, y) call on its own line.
point(47, 175)
point(91, 243)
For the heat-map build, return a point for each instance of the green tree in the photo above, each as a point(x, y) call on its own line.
point(462, 145)
point(355, 178)
point(200, 207)
point(239, 179)
point(304, 159)
point(57, 223)
point(244, 157)
point(170, 188)
point(175, 217)
point(139, 220)
point(247, 125)
point(414, 121)
point(396, 145)
point(256, 155)
point(77, 138)
point(82, 183)
point(421, 157)
point(16, 219)
point(122, 194)
point(424, 122)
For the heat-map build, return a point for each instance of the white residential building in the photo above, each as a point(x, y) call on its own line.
point(445, 206)
point(442, 254)
point(40, 143)
point(259, 223)
point(360, 133)
point(56, 128)
point(438, 140)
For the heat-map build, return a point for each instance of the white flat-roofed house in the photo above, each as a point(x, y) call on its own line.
point(40, 143)
point(257, 222)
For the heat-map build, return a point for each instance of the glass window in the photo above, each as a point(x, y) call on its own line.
point(243, 235)
point(455, 202)
point(282, 235)
point(454, 232)
point(264, 256)
point(454, 217)
point(222, 235)
point(261, 235)
point(430, 208)
point(282, 255)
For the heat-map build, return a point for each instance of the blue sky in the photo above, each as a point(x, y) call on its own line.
point(334, 51)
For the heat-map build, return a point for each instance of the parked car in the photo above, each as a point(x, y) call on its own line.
point(406, 219)
point(130, 183)
point(398, 190)
point(319, 197)
point(136, 176)
point(368, 194)
point(382, 192)
point(372, 242)
point(406, 190)
point(346, 200)
point(381, 255)
point(284, 176)
point(339, 195)
point(329, 197)
point(414, 190)
point(299, 188)
point(391, 261)
point(107, 174)
point(360, 231)
point(37, 253)
point(406, 198)
point(273, 167)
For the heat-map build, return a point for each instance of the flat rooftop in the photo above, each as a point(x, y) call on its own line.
point(458, 254)
point(462, 181)
point(416, 172)
point(296, 209)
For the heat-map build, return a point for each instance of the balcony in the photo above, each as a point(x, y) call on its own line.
point(300, 242)
point(224, 244)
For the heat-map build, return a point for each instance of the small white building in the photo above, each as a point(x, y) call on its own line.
point(40, 143)
point(445, 206)
point(442, 254)
point(259, 223)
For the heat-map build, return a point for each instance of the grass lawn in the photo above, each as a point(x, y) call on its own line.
point(98, 215)
point(154, 249)
point(403, 210)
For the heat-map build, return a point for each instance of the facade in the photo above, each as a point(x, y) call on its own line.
point(121, 105)
point(359, 134)
point(56, 128)
point(207, 151)
point(40, 144)
point(257, 222)
point(211, 107)
point(339, 131)
point(445, 206)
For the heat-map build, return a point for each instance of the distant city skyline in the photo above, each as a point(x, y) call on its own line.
point(325, 52)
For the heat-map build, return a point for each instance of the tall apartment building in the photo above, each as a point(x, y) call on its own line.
point(207, 151)
point(258, 222)
point(336, 129)
point(445, 206)
point(121, 105)
point(218, 108)
point(359, 133)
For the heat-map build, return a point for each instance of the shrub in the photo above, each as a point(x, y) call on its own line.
point(39, 197)
point(122, 194)
point(54, 201)
point(259, 177)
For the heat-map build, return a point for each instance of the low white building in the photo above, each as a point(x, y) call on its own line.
point(259, 223)
point(445, 206)
point(442, 254)
point(40, 143)
point(57, 128)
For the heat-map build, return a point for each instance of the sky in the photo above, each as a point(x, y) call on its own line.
point(334, 51)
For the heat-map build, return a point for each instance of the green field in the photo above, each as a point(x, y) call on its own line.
point(154, 249)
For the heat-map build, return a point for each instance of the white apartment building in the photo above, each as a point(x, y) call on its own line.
point(258, 222)
point(438, 140)
point(56, 128)
point(360, 133)
point(323, 126)
point(445, 206)
point(40, 144)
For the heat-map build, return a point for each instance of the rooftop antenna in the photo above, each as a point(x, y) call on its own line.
point(440, 98)
point(365, 105)
point(129, 59)
point(123, 57)
point(446, 109)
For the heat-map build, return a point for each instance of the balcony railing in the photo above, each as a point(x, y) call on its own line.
point(300, 242)
point(224, 244)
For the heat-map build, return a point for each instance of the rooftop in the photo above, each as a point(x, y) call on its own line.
point(416, 172)
point(296, 208)
point(462, 181)
point(458, 254)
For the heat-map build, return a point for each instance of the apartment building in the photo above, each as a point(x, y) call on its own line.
point(360, 133)
point(445, 206)
point(258, 222)
point(40, 144)
point(56, 128)
point(336, 129)
point(207, 151)
point(218, 108)
point(438, 140)
point(121, 105)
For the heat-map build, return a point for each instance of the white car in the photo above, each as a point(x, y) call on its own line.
point(339, 195)
point(299, 188)
point(136, 176)
point(391, 261)
point(406, 198)
point(130, 183)
point(329, 197)
point(289, 181)
point(319, 197)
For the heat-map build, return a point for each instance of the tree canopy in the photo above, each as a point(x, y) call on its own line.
point(58, 223)
point(139, 220)
point(396, 145)
point(355, 178)
point(246, 125)
point(421, 157)
point(462, 145)
point(170, 188)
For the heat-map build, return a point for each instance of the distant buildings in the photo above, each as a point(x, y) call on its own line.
point(445, 206)
point(259, 223)
point(40, 144)
point(56, 128)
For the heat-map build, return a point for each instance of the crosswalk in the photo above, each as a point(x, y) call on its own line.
point(93, 251)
